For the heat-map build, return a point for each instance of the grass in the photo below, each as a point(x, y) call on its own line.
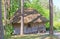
point(33, 36)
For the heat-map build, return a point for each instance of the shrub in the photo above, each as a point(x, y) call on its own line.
point(8, 30)
point(57, 25)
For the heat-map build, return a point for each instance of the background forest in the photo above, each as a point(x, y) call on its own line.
point(42, 6)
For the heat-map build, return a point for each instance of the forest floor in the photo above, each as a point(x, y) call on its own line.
point(37, 36)
point(34, 36)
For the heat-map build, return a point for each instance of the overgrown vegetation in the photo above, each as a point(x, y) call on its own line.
point(35, 4)
point(28, 4)
point(8, 30)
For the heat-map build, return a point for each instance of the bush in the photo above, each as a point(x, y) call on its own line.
point(8, 30)
point(47, 26)
point(57, 25)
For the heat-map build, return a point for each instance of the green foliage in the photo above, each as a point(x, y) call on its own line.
point(57, 25)
point(56, 13)
point(8, 29)
point(47, 26)
point(14, 5)
point(35, 5)
point(56, 18)
point(39, 8)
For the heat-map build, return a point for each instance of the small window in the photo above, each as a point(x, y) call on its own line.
point(29, 25)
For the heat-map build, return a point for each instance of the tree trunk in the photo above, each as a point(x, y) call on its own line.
point(51, 16)
point(8, 8)
point(22, 16)
point(5, 12)
point(1, 25)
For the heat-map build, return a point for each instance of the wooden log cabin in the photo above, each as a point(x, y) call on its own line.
point(34, 22)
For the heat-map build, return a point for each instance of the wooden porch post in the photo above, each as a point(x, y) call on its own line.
point(22, 16)
point(51, 16)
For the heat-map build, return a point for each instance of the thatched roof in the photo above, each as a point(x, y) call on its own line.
point(30, 16)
